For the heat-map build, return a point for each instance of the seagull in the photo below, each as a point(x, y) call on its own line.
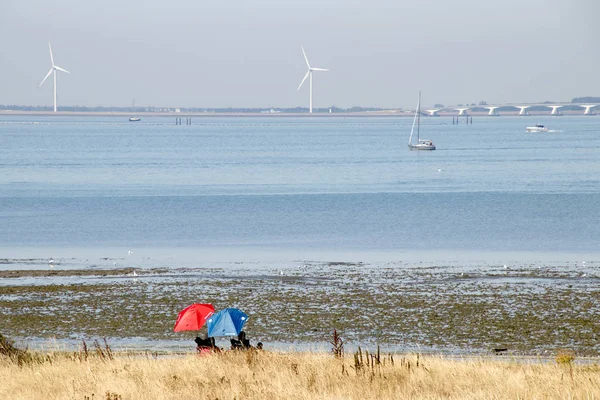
point(505, 266)
point(50, 261)
point(280, 272)
point(129, 252)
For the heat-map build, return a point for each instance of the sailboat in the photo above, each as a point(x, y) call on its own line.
point(421, 143)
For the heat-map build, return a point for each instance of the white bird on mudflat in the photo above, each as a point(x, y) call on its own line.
point(129, 252)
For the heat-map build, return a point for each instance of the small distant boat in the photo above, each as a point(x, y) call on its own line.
point(421, 143)
point(537, 128)
point(134, 119)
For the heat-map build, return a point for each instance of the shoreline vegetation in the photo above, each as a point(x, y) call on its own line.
point(95, 372)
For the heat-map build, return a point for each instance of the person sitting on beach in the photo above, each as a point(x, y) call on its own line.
point(202, 342)
point(205, 345)
point(241, 342)
point(259, 346)
point(236, 344)
point(245, 342)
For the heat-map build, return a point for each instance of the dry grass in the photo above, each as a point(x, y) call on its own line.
point(272, 375)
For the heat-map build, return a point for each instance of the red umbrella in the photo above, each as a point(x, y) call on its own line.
point(193, 317)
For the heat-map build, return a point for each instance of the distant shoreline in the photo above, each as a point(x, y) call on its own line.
point(265, 115)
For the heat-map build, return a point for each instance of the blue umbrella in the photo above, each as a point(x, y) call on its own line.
point(227, 322)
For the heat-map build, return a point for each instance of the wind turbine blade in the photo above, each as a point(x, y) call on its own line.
point(51, 58)
point(305, 76)
point(305, 58)
point(319, 69)
point(60, 69)
point(46, 77)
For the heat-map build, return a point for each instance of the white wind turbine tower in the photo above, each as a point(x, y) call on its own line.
point(53, 69)
point(309, 73)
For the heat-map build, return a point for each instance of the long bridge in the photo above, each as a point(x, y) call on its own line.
point(523, 109)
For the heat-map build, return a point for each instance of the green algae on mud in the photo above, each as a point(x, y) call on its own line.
point(526, 310)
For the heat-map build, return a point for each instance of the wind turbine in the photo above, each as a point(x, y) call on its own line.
point(309, 73)
point(53, 69)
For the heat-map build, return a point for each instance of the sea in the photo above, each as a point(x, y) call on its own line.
point(299, 187)
point(274, 192)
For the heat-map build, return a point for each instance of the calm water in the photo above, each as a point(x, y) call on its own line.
point(237, 188)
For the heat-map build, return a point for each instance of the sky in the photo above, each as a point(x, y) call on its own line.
point(239, 53)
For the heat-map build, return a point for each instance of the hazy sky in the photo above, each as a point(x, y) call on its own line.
point(239, 53)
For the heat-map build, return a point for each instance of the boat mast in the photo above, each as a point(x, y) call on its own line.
point(419, 118)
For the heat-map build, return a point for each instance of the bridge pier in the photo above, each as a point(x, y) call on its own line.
point(588, 108)
point(555, 110)
point(462, 111)
point(523, 111)
point(492, 110)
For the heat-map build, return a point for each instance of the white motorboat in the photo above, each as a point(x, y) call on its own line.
point(421, 144)
point(134, 119)
point(537, 128)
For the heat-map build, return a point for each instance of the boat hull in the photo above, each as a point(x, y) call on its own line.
point(536, 129)
point(421, 146)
